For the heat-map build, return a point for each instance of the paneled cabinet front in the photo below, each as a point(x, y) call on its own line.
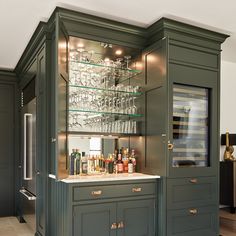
point(122, 218)
point(193, 222)
point(95, 219)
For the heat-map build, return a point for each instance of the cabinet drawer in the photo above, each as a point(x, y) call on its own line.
point(192, 221)
point(113, 191)
point(186, 192)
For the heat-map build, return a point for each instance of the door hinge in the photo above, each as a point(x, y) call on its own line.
point(22, 99)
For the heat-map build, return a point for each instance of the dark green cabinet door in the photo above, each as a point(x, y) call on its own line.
point(60, 105)
point(156, 108)
point(94, 219)
point(136, 218)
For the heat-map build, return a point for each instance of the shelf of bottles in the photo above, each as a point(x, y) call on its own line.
point(101, 98)
point(115, 163)
point(190, 126)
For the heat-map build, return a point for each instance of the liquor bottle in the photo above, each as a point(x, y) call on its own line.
point(91, 165)
point(130, 166)
point(120, 164)
point(125, 159)
point(134, 160)
point(72, 162)
point(115, 170)
point(77, 162)
point(96, 161)
point(84, 164)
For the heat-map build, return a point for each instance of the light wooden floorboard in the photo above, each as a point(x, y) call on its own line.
point(227, 223)
point(10, 226)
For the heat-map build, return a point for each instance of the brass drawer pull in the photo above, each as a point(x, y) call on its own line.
point(114, 226)
point(193, 211)
point(96, 193)
point(170, 146)
point(193, 181)
point(121, 225)
point(136, 190)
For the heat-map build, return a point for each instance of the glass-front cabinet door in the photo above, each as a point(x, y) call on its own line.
point(190, 126)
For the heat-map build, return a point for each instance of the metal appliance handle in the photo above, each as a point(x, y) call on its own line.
point(28, 153)
point(27, 194)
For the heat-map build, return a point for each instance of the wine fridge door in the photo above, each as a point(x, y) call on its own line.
point(190, 126)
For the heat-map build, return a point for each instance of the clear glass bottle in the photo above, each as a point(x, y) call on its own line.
point(134, 160)
point(130, 166)
point(84, 164)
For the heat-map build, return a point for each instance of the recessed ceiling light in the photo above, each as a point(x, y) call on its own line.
point(80, 45)
point(118, 52)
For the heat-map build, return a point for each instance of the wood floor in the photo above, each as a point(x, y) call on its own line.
point(227, 223)
point(9, 226)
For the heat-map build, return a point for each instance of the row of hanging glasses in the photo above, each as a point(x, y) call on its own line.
point(98, 97)
point(100, 74)
point(91, 57)
point(100, 81)
point(102, 101)
point(105, 124)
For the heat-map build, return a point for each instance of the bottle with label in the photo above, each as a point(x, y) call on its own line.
point(72, 162)
point(77, 162)
point(84, 164)
point(120, 164)
point(130, 166)
point(134, 160)
point(125, 159)
point(91, 164)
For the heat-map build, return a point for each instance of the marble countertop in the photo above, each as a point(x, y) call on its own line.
point(105, 177)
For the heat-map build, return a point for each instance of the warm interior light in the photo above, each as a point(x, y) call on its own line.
point(80, 45)
point(106, 59)
point(118, 52)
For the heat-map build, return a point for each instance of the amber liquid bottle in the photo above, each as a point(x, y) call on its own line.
point(120, 164)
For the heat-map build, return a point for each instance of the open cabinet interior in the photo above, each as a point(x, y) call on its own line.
point(104, 88)
point(105, 98)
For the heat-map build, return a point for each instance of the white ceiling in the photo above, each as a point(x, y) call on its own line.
point(19, 18)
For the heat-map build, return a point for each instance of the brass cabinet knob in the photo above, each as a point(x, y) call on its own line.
point(121, 225)
point(135, 190)
point(114, 226)
point(96, 193)
point(170, 146)
point(193, 181)
point(193, 211)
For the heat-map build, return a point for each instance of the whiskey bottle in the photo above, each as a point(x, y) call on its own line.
point(125, 159)
point(120, 164)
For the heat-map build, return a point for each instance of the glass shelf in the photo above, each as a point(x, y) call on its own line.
point(106, 90)
point(107, 66)
point(89, 112)
point(109, 135)
point(105, 70)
